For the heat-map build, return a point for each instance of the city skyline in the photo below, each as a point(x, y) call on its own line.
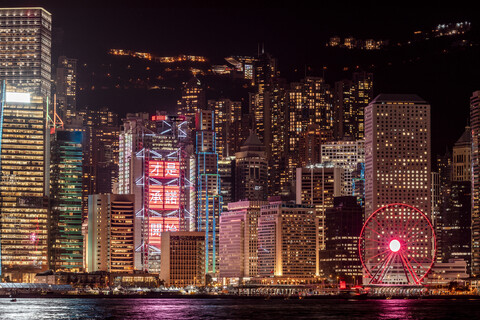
point(346, 164)
point(297, 38)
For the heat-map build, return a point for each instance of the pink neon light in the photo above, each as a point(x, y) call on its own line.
point(406, 235)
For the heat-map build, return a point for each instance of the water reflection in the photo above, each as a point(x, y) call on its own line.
point(396, 309)
point(40, 309)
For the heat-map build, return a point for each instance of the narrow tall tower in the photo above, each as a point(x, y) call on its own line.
point(209, 201)
point(475, 126)
point(23, 185)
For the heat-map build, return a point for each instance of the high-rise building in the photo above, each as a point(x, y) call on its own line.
point(156, 166)
point(317, 185)
point(475, 126)
point(209, 201)
point(101, 138)
point(310, 106)
point(66, 87)
point(343, 224)
point(351, 98)
point(111, 233)
point(227, 181)
point(66, 164)
point(462, 162)
point(436, 200)
point(192, 99)
point(239, 239)
point(347, 155)
point(23, 185)
point(228, 123)
point(444, 167)
point(280, 253)
point(397, 161)
point(453, 220)
point(456, 224)
point(251, 171)
point(310, 144)
point(25, 49)
point(397, 152)
point(183, 258)
point(269, 109)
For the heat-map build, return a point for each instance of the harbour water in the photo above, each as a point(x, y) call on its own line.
point(40, 309)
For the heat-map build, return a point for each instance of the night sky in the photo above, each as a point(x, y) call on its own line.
point(295, 34)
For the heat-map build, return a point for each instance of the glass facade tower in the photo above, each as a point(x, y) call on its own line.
point(23, 206)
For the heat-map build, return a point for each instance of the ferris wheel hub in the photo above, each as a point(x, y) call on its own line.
point(394, 245)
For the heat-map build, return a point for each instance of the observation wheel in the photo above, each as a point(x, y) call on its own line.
point(397, 245)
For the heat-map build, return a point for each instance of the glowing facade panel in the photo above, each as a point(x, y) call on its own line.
point(17, 97)
point(157, 225)
point(156, 198)
point(171, 197)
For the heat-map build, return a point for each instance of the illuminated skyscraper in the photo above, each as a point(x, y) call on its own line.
point(156, 167)
point(66, 164)
point(317, 185)
point(343, 224)
point(462, 160)
point(192, 99)
point(351, 97)
point(25, 49)
point(310, 144)
point(101, 132)
point(251, 169)
point(347, 155)
point(397, 160)
point(397, 152)
point(226, 172)
point(456, 224)
point(66, 86)
point(454, 218)
point(280, 253)
point(444, 167)
point(23, 185)
point(110, 233)
point(239, 239)
point(208, 193)
point(268, 107)
point(310, 117)
point(475, 125)
point(183, 260)
point(228, 115)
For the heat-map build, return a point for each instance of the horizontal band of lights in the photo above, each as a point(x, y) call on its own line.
point(157, 225)
point(164, 169)
point(17, 97)
point(164, 118)
point(163, 197)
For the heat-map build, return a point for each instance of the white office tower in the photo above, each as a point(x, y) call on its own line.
point(397, 169)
